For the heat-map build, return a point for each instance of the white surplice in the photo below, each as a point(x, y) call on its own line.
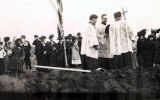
point(104, 42)
point(121, 37)
point(89, 40)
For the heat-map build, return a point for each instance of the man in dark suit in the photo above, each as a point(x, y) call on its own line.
point(41, 52)
point(51, 51)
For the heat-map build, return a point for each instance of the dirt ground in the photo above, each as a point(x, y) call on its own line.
point(135, 82)
point(144, 82)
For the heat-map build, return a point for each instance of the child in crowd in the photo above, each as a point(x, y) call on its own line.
point(76, 60)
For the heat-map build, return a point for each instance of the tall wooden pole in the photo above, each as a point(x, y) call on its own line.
point(57, 5)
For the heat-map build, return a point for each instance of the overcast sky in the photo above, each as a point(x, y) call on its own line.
point(31, 17)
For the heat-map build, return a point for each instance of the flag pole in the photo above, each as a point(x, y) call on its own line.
point(57, 5)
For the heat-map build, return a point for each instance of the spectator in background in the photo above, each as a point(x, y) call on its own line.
point(153, 34)
point(157, 53)
point(36, 43)
point(76, 59)
point(60, 53)
point(150, 50)
point(15, 38)
point(36, 40)
point(141, 46)
point(69, 49)
point(2, 55)
point(41, 52)
point(7, 49)
point(26, 48)
point(79, 37)
point(15, 62)
point(51, 51)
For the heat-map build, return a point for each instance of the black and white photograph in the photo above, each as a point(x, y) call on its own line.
point(79, 50)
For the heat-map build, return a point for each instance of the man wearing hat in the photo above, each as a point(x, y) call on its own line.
point(41, 52)
point(79, 37)
point(69, 48)
point(150, 49)
point(35, 44)
point(36, 40)
point(121, 37)
point(141, 47)
point(60, 53)
point(51, 51)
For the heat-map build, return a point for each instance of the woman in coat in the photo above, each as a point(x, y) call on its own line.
point(60, 54)
point(15, 62)
point(157, 53)
point(51, 52)
point(150, 51)
point(141, 48)
point(7, 49)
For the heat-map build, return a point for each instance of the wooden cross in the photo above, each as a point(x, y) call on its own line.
point(123, 12)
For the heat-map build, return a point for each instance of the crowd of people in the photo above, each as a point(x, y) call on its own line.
point(107, 46)
point(16, 54)
point(148, 49)
point(53, 54)
point(114, 46)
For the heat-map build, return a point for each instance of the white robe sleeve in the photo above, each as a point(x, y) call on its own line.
point(92, 37)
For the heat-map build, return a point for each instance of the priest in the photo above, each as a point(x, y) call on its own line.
point(104, 57)
point(90, 44)
point(121, 38)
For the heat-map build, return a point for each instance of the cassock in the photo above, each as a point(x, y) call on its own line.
point(121, 37)
point(88, 49)
point(104, 56)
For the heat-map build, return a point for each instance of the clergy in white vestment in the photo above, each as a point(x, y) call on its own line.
point(105, 59)
point(121, 37)
point(89, 49)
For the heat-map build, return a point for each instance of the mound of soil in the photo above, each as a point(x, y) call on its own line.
point(126, 80)
point(11, 84)
point(145, 82)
